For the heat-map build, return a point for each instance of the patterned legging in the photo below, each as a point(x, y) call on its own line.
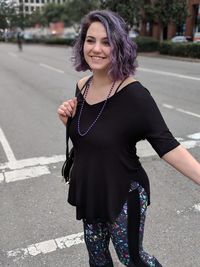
point(97, 237)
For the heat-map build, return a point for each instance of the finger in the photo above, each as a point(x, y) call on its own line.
point(61, 111)
point(68, 107)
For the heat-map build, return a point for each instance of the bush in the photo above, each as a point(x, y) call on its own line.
point(180, 49)
point(146, 44)
point(59, 41)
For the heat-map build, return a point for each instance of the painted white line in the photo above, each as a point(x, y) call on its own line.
point(51, 68)
point(195, 136)
point(190, 144)
point(46, 246)
point(23, 174)
point(144, 149)
point(12, 54)
point(181, 110)
point(197, 207)
point(20, 164)
point(1, 177)
point(169, 74)
point(168, 106)
point(7, 149)
point(188, 112)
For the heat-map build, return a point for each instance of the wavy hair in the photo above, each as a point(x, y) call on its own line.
point(123, 49)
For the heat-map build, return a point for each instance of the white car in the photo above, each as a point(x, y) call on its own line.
point(133, 34)
point(179, 39)
point(196, 38)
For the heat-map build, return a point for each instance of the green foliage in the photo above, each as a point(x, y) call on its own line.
point(35, 18)
point(53, 12)
point(165, 11)
point(128, 9)
point(76, 9)
point(146, 44)
point(59, 41)
point(7, 11)
point(180, 49)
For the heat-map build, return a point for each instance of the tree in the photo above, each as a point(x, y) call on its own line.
point(7, 10)
point(35, 18)
point(53, 12)
point(165, 11)
point(76, 9)
point(130, 10)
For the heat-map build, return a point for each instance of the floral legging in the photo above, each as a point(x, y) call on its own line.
point(97, 236)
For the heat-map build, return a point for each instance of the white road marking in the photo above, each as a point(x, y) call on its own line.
point(51, 68)
point(12, 54)
point(194, 136)
point(20, 164)
point(8, 151)
point(1, 177)
point(195, 207)
point(144, 149)
point(17, 175)
point(182, 110)
point(168, 106)
point(46, 246)
point(188, 112)
point(166, 73)
point(190, 144)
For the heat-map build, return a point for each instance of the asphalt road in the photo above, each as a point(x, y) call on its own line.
point(37, 226)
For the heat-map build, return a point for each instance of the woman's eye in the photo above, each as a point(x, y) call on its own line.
point(106, 43)
point(89, 41)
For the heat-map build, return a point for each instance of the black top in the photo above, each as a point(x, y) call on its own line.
point(105, 159)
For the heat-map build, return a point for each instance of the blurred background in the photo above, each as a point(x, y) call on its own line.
point(154, 25)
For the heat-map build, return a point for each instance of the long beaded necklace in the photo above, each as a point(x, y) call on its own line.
point(98, 115)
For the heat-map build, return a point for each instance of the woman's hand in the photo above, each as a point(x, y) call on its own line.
point(67, 109)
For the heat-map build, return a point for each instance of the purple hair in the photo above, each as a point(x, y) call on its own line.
point(123, 49)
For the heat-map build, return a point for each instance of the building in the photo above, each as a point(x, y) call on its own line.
point(191, 25)
point(29, 6)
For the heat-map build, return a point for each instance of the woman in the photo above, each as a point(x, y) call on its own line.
point(111, 113)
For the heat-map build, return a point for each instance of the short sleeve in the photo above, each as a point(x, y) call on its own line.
point(155, 129)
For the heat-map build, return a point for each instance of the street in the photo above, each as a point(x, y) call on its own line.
point(37, 225)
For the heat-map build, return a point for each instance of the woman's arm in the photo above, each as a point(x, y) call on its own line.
point(184, 162)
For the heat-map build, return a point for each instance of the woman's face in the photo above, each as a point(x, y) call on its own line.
point(96, 48)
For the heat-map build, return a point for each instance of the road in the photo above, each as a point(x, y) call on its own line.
point(37, 226)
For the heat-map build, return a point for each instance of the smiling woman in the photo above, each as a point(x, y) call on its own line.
point(97, 50)
point(110, 114)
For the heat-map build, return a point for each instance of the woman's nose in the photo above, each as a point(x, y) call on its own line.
point(97, 47)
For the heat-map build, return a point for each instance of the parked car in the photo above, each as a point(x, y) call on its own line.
point(196, 38)
point(133, 34)
point(69, 35)
point(181, 39)
point(28, 36)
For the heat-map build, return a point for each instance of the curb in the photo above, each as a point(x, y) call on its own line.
point(158, 55)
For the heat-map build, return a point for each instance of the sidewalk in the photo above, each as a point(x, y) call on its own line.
point(158, 55)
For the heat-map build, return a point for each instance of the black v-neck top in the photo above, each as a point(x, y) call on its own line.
point(105, 159)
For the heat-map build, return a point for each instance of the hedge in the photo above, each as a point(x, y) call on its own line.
point(146, 44)
point(180, 49)
point(59, 41)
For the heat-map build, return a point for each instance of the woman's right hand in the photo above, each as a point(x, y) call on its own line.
point(67, 109)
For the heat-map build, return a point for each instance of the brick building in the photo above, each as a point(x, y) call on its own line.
point(191, 25)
